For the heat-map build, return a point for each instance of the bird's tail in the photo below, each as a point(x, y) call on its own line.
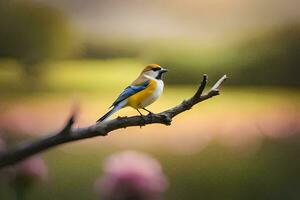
point(109, 113)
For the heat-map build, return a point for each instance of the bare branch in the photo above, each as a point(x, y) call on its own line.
point(68, 134)
point(219, 83)
point(201, 87)
point(68, 125)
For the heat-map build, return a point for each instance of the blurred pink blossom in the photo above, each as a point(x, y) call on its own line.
point(131, 175)
point(32, 169)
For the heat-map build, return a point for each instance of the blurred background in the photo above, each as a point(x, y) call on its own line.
point(243, 144)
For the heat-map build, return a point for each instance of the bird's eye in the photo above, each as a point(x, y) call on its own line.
point(156, 69)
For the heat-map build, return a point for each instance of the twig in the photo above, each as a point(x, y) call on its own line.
point(68, 134)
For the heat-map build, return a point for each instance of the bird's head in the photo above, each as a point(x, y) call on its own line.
point(154, 71)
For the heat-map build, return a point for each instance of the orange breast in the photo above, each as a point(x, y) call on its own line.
point(136, 99)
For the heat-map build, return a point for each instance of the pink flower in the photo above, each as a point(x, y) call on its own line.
point(32, 169)
point(131, 175)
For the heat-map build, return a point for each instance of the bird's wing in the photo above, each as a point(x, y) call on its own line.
point(130, 90)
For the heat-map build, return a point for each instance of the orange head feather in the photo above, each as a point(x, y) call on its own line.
point(151, 67)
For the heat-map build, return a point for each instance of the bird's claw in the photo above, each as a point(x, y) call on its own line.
point(150, 113)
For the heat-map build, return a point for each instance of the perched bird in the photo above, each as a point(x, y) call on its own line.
point(141, 93)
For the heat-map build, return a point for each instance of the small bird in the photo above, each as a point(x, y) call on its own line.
point(141, 93)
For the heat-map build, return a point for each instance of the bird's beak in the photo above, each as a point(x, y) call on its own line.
point(163, 70)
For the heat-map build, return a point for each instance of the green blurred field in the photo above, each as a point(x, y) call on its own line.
point(242, 144)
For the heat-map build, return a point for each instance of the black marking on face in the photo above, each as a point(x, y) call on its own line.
point(160, 73)
point(156, 69)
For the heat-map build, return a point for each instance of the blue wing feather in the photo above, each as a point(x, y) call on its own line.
point(129, 91)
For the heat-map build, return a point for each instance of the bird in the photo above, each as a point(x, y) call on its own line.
point(142, 92)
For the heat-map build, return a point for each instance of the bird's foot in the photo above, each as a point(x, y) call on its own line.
point(149, 112)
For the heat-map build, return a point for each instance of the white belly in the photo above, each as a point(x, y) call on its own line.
point(156, 94)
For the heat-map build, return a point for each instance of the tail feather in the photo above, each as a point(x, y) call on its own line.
point(112, 111)
point(108, 114)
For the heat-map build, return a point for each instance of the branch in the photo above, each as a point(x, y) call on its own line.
point(68, 134)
